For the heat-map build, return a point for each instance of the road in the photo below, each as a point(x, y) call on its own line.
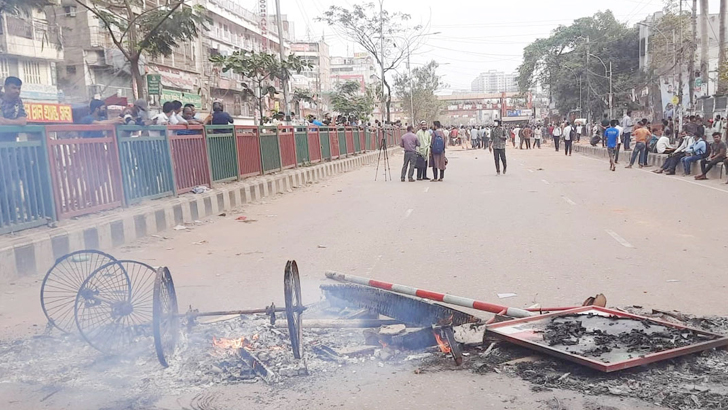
point(553, 230)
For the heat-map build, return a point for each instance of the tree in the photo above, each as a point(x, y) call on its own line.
point(557, 63)
point(348, 100)
point(262, 69)
point(300, 96)
point(137, 28)
point(16, 7)
point(417, 92)
point(365, 25)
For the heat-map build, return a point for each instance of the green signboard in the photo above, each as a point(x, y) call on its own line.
point(185, 97)
point(154, 84)
point(698, 82)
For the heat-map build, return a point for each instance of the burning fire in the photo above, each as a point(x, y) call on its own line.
point(240, 343)
point(444, 347)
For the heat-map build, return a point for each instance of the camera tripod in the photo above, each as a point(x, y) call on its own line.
point(383, 153)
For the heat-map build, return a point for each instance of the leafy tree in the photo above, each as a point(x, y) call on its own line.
point(421, 86)
point(365, 25)
point(16, 7)
point(261, 69)
point(347, 99)
point(557, 63)
point(153, 30)
point(300, 96)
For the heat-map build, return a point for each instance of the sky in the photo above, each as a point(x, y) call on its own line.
point(474, 35)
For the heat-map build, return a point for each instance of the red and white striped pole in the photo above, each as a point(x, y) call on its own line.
point(426, 294)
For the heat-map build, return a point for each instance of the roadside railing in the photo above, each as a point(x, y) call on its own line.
point(26, 199)
point(64, 171)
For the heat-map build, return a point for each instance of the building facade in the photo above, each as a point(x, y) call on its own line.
point(481, 108)
point(316, 80)
point(493, 81)
point(30, 48)
point(360, 68)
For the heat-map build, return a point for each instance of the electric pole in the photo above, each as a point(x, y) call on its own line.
point(412, 98)
point(722, 86)
point(381, 46)
point(588, 84)
point(691, 63)
point(704, 44)
point(286, 110)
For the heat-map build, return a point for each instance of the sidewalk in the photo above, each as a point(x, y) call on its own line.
point(33, 251)
point(655, 160)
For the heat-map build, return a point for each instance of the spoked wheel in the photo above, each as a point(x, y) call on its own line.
point(62, 282)
point(114, 305)
point(165, 322)
point(294, 307)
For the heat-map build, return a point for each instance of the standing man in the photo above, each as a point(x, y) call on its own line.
point(486, 137)
point(526, 134)
point(410, 143)
point(612, 137)
point(605, 125)
point(556, 134)
point(537, 136)
point(424, 136)
point(12, 111)
point(641, 136)
point(626, 129)
point(437, 153)
point(569, 136)
point(497, 146)
point(717, 155)
point(473, 137)
point(579, 131)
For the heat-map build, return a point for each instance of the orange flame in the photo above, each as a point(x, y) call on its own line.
point(223, 343)
point(444, 347)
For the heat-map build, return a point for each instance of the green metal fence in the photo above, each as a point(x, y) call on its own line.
point(146, 162)
point(270, 149)
point(222, 152)
point(341, 132)
point(325, 144)
point(301, 135)
point(26, 198)
point(357, 140)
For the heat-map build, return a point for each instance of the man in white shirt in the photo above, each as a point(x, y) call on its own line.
point(674, 159)
point(162, 118)
point(537, 136)
point(619, 142)
point(569, 136)
point(627, 129)
point(517, 135)
point(556, 134)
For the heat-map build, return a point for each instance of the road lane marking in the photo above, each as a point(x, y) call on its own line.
point(545, 181)
point(408, 213)
point(568, 201)
point(618, 238)
point(427, 189)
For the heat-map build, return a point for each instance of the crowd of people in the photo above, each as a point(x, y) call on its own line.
point(695, 143)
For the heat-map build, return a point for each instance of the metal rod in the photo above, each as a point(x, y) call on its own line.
point(426, 294)
point(239, 312)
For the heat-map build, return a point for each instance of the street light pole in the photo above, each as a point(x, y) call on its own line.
point(608, 72)
point(381, 46)
point(412, 91)
point(281, 53)
point(588, 84)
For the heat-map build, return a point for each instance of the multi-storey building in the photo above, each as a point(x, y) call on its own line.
point(317, 79)
point(30, 48)
point(494, 81)
point(359, 68)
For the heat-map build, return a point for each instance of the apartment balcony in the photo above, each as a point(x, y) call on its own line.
point(30, 38)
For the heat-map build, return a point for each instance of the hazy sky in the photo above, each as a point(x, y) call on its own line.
point(475, 35)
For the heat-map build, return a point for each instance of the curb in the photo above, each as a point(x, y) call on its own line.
point(34, 251)
point(656, 160)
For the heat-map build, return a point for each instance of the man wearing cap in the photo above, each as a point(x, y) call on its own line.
point(137, 114)
point(424, 136)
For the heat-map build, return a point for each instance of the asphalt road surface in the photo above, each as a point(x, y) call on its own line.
point(553, 230)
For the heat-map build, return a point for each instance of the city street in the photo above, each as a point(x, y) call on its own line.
point(553, 230)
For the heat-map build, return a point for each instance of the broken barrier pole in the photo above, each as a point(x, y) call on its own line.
point(426, 294)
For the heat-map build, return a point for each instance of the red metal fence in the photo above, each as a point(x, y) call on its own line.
point(248, 150)
point(189, 157)
point(314, 145)
point(85, 171)
point(287, 142)
point(334, 143)
point(349, 140)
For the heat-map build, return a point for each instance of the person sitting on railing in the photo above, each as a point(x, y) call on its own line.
point(97, 115)
point(12, 111)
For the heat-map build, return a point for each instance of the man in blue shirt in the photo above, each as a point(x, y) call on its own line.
point(611, 135)
point(97, 115)
point(695, 153)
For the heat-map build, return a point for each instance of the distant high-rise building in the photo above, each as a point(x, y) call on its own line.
point(494, 81)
